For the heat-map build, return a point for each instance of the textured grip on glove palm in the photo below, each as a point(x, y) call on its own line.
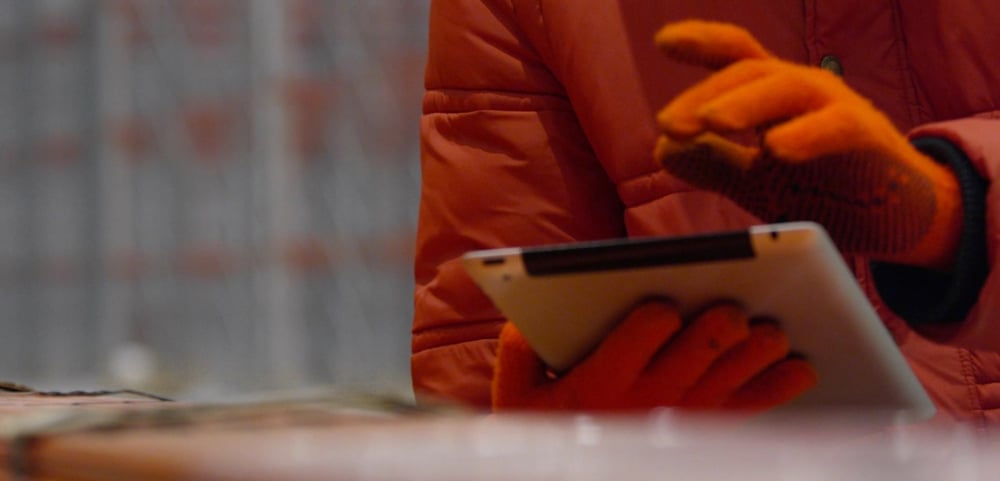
point(719, 361)
point(819, 150)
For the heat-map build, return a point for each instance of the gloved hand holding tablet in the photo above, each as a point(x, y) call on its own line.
point(563, 301)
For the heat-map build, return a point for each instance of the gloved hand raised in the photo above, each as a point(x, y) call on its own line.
point(822, 152)
point(718, 361)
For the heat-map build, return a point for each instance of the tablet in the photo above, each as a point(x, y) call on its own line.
point(565, 298)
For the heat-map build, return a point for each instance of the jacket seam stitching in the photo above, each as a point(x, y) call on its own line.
point(521, 95)
point(915, 110)
point(992, 113)
point(547, 35)
point(444, 99)
point(811, 40)
point(968, 372)
point(485, 322)
point(420, 346)
point(469, 111)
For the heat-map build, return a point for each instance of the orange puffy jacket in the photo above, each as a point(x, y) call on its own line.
point(538, 128)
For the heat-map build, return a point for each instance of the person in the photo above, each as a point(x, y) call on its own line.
point(551, 122)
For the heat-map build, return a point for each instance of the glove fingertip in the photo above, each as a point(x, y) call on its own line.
point(678, 125)
point(516, 361)
point(710, 44)
point(778, 385)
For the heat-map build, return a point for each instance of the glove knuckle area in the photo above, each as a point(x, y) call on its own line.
point(767, 336)
point(762, 102)
point(653, 313)
point(685, 359)
point(645, 328)
point(626, 352)
point(719, 326)
point(680, 117)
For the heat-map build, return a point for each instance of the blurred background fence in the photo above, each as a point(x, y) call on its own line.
point(201, 197)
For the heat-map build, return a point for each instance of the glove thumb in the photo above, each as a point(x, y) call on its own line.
point(518, 369)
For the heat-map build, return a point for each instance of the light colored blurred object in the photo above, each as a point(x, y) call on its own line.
point(133, 366)
point(228, 185)
point(373, 439)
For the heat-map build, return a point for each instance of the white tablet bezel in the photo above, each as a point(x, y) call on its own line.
point(565, 298)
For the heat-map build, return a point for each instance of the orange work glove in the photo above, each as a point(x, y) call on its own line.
point(821, 152)
point(719, 361)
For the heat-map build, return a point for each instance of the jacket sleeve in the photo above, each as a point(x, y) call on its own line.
point(963, 307)
point(503, 163)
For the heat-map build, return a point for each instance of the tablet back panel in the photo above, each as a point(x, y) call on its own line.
point(565, 299)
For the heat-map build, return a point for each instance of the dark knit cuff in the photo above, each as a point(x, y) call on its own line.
point(921, 296)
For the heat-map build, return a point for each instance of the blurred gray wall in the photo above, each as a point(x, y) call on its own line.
point(201, 197)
